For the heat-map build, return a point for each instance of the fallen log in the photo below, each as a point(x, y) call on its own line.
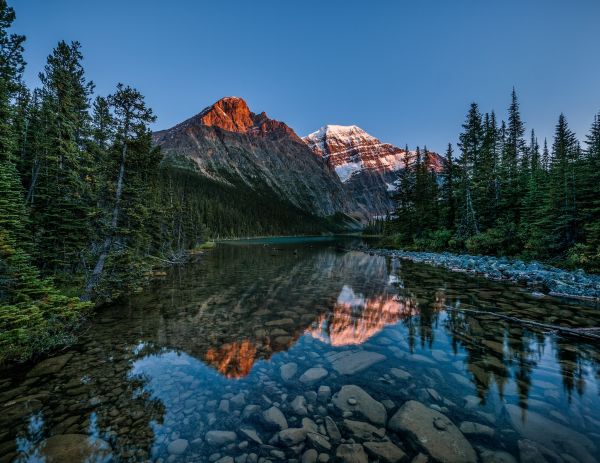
point(587, 334)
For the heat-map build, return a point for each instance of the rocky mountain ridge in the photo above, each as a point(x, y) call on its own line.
point(367, 167)
point(228, 143)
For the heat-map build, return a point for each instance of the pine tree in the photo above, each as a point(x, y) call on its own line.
point(470, 144)
point(61, 198)
point(132, 155)
point(448, 199)
point(513, 151)
point(560, 215)
point(588, 252)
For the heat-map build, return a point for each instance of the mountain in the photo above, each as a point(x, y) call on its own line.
point(232, 146)
point(367, 167)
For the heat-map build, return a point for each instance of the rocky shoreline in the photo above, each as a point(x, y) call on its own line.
point(541, 278)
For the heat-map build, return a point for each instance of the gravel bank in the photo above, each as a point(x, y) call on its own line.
point(541, 278)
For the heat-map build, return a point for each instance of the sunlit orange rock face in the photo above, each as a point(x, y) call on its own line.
point(232, 360)
point(232, 114)
point(355, 319)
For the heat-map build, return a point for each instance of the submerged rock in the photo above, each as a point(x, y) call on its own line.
point(551, 435)
point(220, 438)
point(288, 371)
point(292, 436)
point(74, 448)
point(385, 452)
point(351, 453)
point(312, 375)
point(178, 447)
point(49, 366)
point(433, 432)
point(274, 418)
point(351, 398)
point(349, 363)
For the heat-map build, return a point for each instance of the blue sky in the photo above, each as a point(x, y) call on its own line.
point(405, 71)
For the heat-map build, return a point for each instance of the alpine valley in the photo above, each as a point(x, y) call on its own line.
point(342, 176)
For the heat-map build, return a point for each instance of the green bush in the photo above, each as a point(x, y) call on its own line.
point(502, 240)
point(437, 240)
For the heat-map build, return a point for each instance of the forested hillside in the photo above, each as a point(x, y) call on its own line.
point(87, 204)
point(505, 194)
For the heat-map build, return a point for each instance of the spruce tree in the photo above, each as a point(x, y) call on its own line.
point(513, 151)
point(62, 201)
point(447, 193)
point(470, 144)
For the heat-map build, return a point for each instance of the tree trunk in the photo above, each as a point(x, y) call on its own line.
point(106, 247)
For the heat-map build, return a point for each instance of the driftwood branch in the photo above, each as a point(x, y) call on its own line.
point(587, 334)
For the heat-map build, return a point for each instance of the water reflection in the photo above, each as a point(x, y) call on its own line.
point(153, 376)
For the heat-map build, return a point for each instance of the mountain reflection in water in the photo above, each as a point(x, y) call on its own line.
point(190, 353)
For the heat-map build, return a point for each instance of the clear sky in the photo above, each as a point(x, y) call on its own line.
point(403, 70)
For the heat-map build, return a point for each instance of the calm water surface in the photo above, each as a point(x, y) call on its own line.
point(257, 336)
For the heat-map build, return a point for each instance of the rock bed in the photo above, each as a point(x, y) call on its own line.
point(541, 278)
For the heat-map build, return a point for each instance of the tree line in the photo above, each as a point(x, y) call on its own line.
point(88, 206)
point(504, 194)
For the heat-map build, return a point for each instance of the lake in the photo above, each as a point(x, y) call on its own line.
point(297, 350)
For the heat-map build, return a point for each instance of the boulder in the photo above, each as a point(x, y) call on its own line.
point(351, 398)
point(433, 432)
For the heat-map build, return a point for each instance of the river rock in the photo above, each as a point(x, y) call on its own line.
point(220, 438)
point(288, 371)
point(433, 432)
point(332, 429)
point(74, 448)
point(351, 362)
point(400, 373)
point(178, 447)
point(351, 398)
point(470, 428)
point(363, 431)
point(385, 452)
point(312, 375)
point(552, 435)
point(50, 366)
point(351, 453)
point(318, 441)
point(251, 434)
point(496, 456)
point(274, 418)
point(292, 436)
point(310, 456)
point(299, 405)
point(324, 393)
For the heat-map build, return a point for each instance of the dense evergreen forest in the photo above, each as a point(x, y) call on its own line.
point(503, 194)
point(88, 206)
